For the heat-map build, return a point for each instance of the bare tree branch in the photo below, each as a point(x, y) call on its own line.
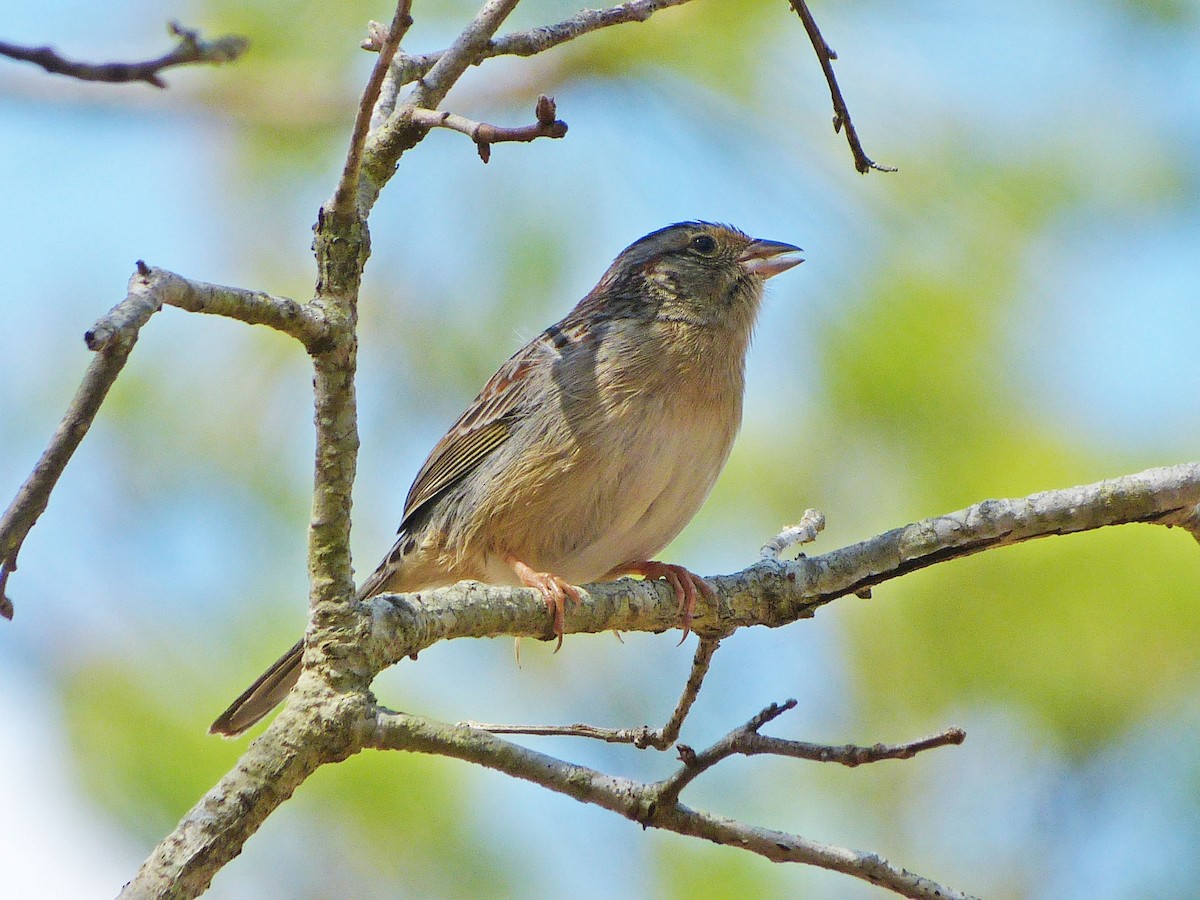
point(190, 50)
point(112, 338)
point(270, 770)
point(299, 320)
point(841, 115)
point(805, 531)
point(849, 755)
point(111, 353)
point(746, 741)
point(639, 802)
point(484, 135)
point(397, 134)
point(468, 48)
point(343, 720)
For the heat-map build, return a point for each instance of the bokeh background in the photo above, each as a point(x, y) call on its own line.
point(1017, 309)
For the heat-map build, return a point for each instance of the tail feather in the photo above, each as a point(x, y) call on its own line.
point(273, 685)
point(264, 695)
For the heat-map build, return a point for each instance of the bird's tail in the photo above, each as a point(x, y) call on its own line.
point(273, 685)
point(264, 695)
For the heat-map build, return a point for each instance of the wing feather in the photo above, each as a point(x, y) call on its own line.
point(491, 418)
point(487, 423)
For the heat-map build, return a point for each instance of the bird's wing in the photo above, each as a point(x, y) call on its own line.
point(487, 423)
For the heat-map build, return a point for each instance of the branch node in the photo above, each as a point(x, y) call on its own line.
point(484, 134)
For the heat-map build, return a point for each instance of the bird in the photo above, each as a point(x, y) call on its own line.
point(592, 447)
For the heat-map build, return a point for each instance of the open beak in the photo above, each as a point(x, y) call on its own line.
point(767, 258)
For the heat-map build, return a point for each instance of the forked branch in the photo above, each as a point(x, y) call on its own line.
point(647, 804)
point(345, 196)
point(536, 40)
point(746, 741)
point(112, 338)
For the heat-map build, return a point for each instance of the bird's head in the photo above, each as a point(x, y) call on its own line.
point(692, 272)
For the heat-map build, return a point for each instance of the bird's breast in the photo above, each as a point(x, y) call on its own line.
point(636, 455)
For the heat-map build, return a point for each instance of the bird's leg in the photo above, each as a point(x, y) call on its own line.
point(553, 589)
point(684, 582)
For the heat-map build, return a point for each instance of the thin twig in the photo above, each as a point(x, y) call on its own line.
point(700, 665)
point(484, 135)
point(537, 40)
point(841, 115)
point(641, 737)
point(746, 741)
point(190, 50)
point(389, 90)
point(345, 195)
point(397, 134)
point(468, 48)
point(849, 755)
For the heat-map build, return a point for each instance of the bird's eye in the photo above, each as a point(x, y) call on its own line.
point(704, 243)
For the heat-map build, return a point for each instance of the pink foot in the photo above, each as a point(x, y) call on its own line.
point(684, 582)
point(554, 591)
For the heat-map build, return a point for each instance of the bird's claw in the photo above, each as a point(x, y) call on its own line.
point(554, 590)
point(683, 581)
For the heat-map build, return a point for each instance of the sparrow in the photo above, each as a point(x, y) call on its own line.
point(592, 447)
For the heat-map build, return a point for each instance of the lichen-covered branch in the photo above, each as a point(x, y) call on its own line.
point(811, 524)
point(191, 50)
point(214, 830)
point(775, 593)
